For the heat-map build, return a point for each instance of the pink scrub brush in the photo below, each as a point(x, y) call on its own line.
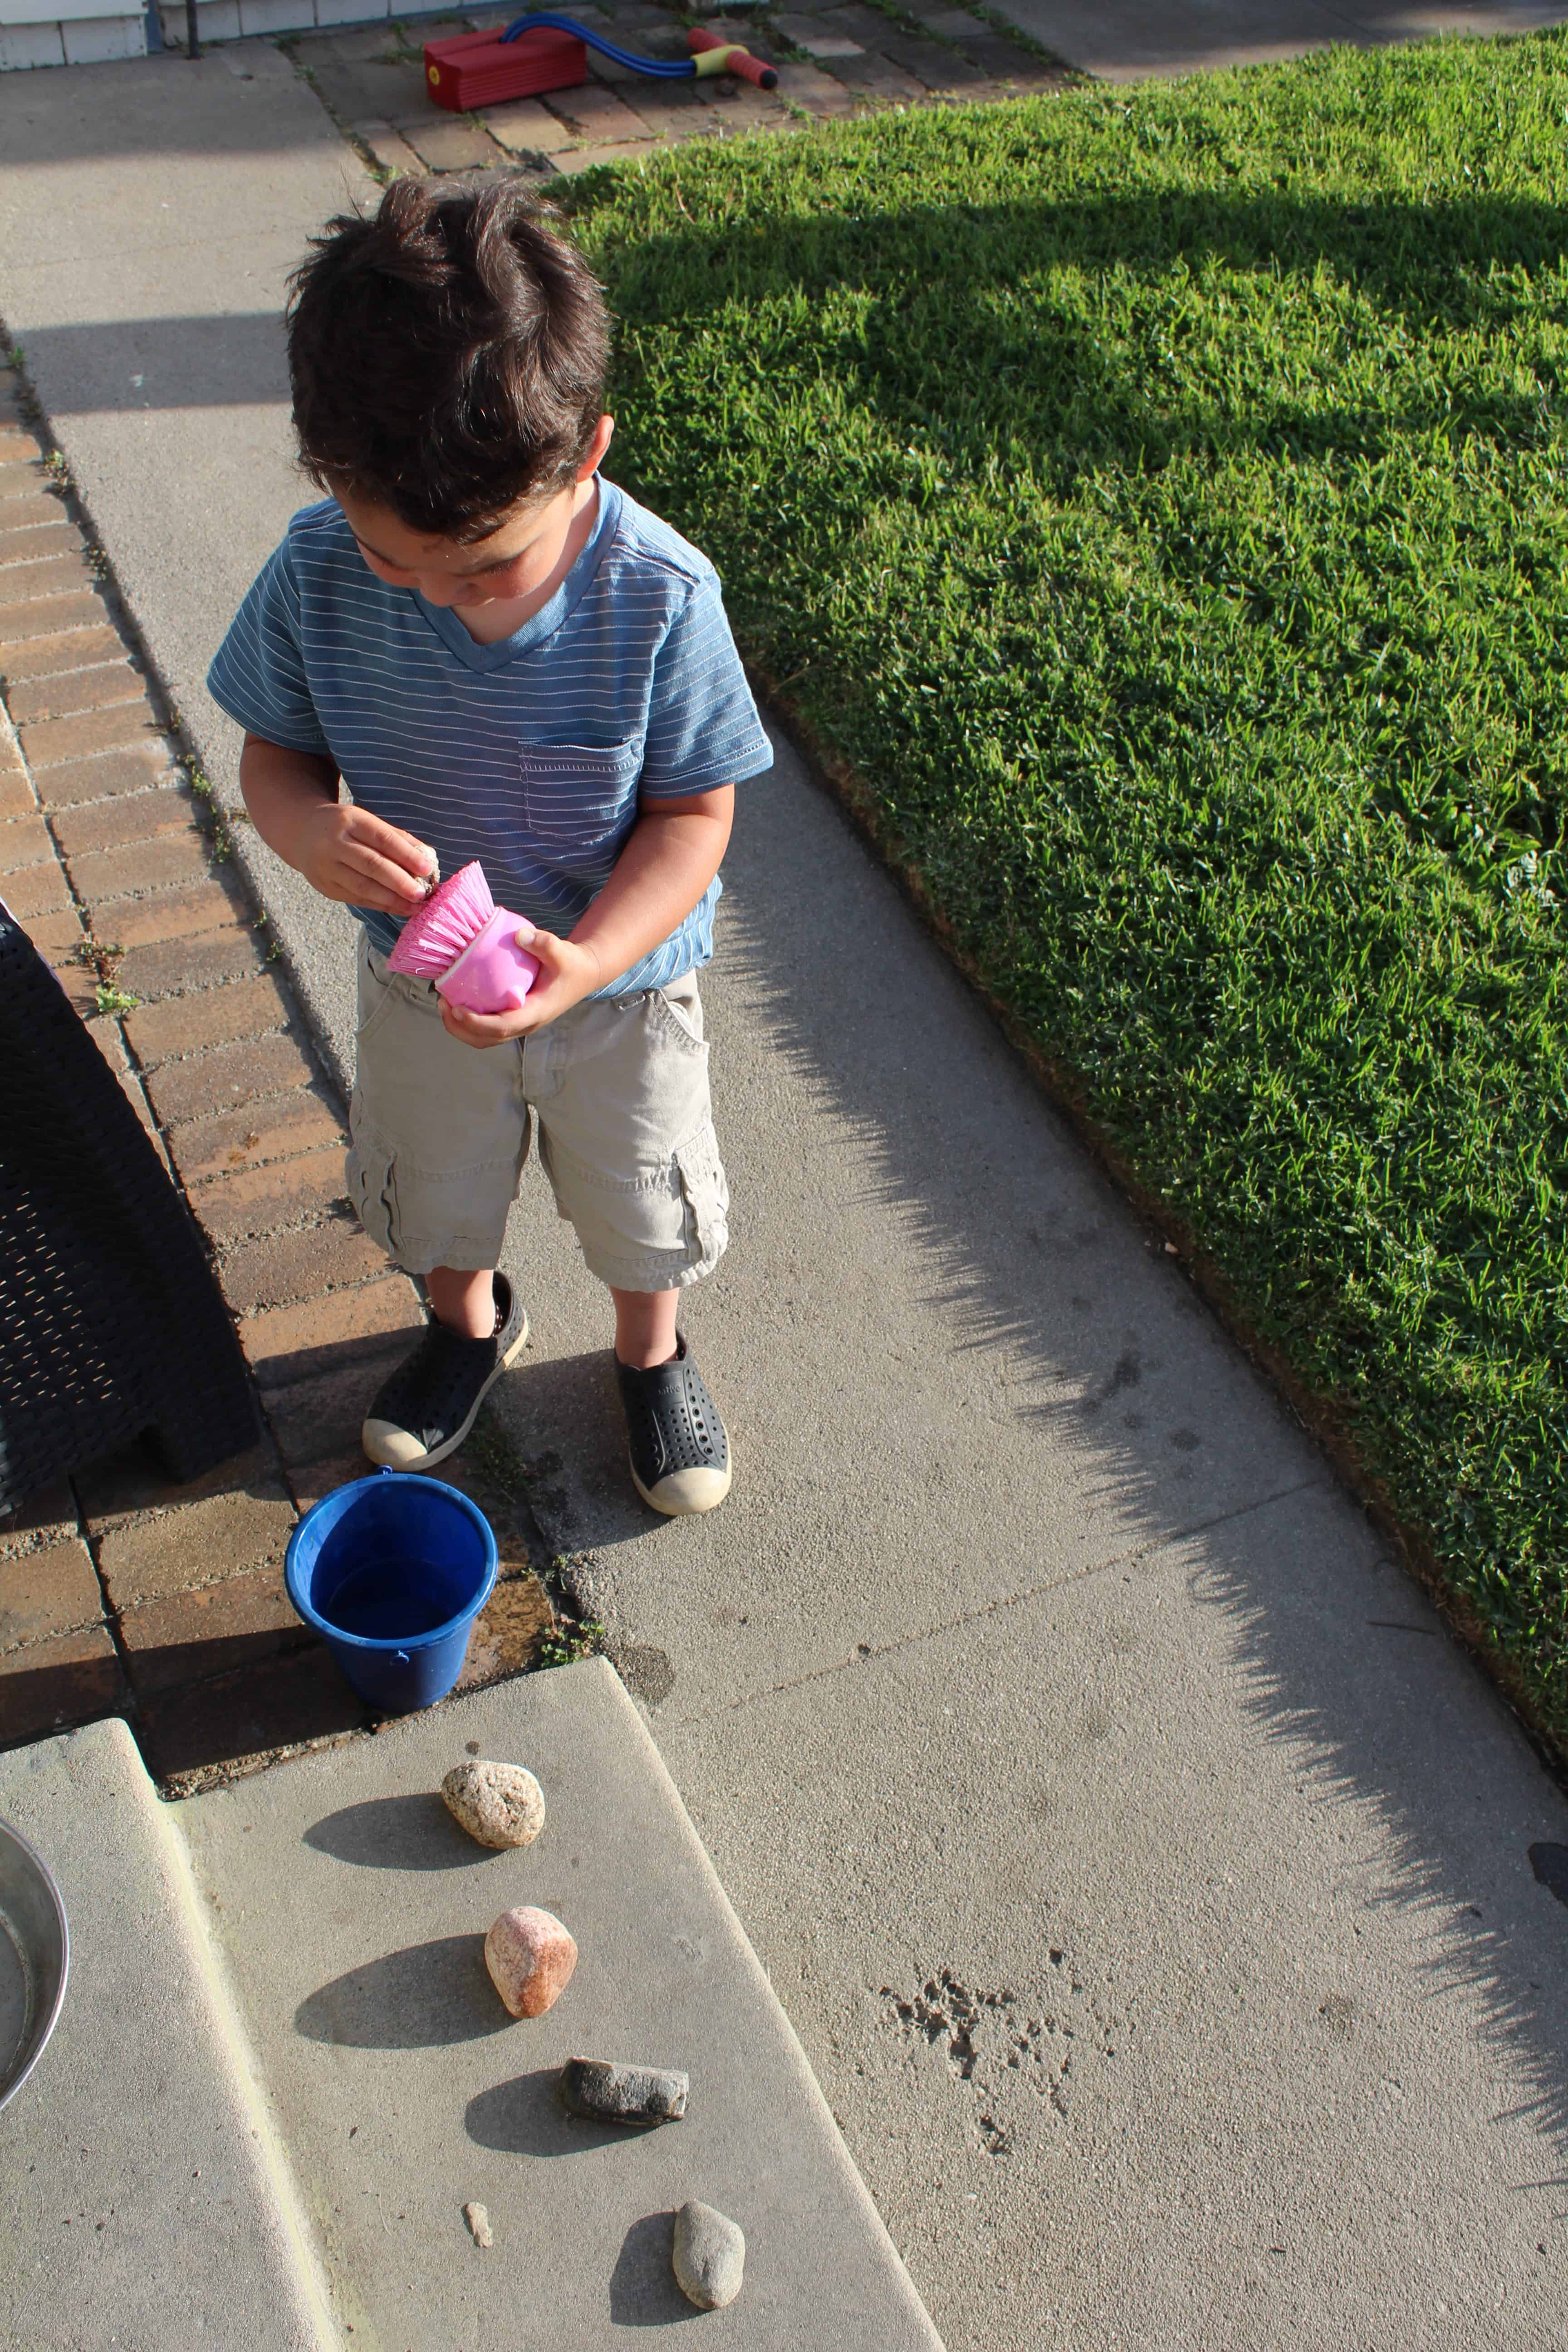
point(468, 945)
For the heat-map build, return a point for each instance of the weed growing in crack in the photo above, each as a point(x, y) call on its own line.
point(101, 959)
point(573, 1639)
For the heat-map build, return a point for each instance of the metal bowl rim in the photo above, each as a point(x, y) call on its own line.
point(41, 2039)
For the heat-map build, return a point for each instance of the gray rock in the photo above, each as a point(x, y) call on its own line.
point(709, 2256)
point(613, 2093)
point(498, 1804)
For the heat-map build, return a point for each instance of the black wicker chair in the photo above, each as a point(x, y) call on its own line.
point(112, 1324)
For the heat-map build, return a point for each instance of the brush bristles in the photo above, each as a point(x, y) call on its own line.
point(432, 940)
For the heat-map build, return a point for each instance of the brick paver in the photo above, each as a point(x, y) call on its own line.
point(60, 650)
point(219, 1016)
point(23, 840)
point(128, 869)
point(241, 1071)
point(50, 1592)
point(105, 778)
point(63, 693)
point(119, 1591)
point(114, 823)
point(270, 1199)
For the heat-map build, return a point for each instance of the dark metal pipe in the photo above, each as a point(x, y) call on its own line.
point(193, 47)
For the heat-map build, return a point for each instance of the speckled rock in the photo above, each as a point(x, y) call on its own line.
point(498, 1804)
point(531, 1957)
point(614, 2093)
point(709, 2256)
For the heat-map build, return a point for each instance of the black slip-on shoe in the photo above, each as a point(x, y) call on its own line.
point(427, 1407)
point(680, 1447)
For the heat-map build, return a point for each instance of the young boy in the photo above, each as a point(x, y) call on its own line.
point(502, 656)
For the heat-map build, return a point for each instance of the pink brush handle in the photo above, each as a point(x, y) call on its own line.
point(493, 974)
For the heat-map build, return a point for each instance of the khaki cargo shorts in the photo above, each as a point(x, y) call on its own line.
point(619, 1087)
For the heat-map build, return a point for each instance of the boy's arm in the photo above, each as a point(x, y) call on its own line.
point(343, 851)
point(672, 853)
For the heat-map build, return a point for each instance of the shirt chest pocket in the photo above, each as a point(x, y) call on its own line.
point(578, 802)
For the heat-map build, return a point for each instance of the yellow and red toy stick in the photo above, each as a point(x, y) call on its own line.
point(715, 56)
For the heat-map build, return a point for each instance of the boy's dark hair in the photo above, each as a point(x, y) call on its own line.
point(447, 357)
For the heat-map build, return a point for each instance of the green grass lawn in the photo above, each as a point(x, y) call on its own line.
point(1152, 504)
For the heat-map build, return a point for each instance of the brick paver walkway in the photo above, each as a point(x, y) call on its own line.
point(837, 58)
point(117, 1591)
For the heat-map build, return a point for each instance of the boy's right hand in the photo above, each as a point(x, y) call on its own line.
point(346, 853)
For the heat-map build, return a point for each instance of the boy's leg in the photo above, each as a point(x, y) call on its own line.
point(644, 1327)
point(439, 1136)
point(464, 1302)
point(626, 1136)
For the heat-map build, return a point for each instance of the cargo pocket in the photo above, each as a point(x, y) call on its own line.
point(706, 1194)
point(371, 1170)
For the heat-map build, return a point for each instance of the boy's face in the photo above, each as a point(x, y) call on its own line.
point(513, 561)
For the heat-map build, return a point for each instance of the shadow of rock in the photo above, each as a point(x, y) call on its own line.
point(643, 2291)
point(413, 1833)
point(524, 2117)
point(423, 1997)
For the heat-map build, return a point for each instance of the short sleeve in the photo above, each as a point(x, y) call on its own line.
point(258, 675)
point(702, 727)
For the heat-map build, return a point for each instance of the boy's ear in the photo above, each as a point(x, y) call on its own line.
point(594, 455)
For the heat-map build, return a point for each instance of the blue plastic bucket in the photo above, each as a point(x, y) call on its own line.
point(392, 1572)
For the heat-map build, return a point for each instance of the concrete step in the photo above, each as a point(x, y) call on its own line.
point(144, 2199)
point(349, 1911)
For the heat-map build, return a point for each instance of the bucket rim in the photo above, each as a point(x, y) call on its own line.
point(380, 1645)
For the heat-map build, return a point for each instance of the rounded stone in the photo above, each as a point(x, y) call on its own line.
point(615, 2093)
point(498, 1804)
point(709, 2255)
point(531, 1957)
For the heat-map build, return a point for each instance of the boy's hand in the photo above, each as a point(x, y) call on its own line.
point(346, 853)
point(567, 974)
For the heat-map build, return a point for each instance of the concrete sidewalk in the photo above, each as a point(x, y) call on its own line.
point(1125, 41)
point(1145, 1874)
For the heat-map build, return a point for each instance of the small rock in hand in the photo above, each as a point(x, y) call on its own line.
point(709, 2256)
point(478, 2222)
point(623, 2095)
point(530, 1958)
point(498, 1804)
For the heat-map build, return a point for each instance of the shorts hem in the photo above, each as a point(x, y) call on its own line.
point(462, 1255)
point(647, 1273)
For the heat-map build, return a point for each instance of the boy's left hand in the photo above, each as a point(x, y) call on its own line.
point(567, 974)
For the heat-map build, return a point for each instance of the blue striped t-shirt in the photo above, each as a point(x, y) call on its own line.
point(531, 755)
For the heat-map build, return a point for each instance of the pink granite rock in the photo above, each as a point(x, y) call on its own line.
point(531, 1957)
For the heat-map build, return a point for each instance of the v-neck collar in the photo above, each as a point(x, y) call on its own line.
point(548, 617)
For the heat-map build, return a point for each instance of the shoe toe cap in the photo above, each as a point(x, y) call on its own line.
point(679, 1494)
point(392, 1447)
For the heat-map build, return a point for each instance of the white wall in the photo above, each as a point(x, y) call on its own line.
point(76, 33)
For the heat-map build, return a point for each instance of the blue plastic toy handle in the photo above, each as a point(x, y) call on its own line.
point(663, 69)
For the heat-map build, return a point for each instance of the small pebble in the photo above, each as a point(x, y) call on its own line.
point(478, 2222)
point(531, 1957)
point(623, 2095)
point(498, 1804)
point(709, 2256)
